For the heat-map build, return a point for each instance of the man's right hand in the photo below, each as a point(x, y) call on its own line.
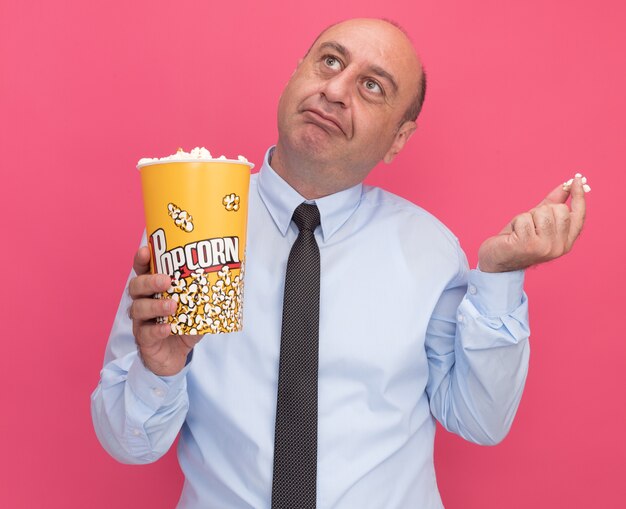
point(161, 352)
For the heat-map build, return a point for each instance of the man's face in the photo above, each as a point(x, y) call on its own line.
point(344, 105)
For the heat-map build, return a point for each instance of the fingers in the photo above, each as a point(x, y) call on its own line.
point(562, 221)
point(540, 234)
point(557, 195)
point(579, 207)
point(568, 224)
point(148, 284)
point(543, 219)
point(553, 226)
point(141, 262)
point(143, 312)
point(148, 309)
point(145, 309)
point(523, 226)
point(149, 335)
point(160, 351)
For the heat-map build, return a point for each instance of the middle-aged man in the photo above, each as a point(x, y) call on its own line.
point(406, 332)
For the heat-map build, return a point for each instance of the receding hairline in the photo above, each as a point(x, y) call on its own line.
point(391, 22)
point(415, 107)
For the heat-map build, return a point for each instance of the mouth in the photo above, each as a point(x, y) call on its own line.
point(323, 120)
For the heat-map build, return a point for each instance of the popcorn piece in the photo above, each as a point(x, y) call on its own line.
point(181, 218)
point(196, 154)
point(146, 160)
point(231, 202)
point(567, 186)
point(203, 307)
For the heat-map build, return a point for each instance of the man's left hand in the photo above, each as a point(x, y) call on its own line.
point(543, 233)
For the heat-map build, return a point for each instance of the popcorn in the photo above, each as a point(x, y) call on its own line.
point(205, 260)
point(568, 184)
point(231, 202)
point(196, 154)
point(181, 218)
point(203, 307)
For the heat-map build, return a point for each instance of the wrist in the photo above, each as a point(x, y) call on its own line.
point(170, 366)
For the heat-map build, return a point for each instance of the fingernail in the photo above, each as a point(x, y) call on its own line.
point(170, 307)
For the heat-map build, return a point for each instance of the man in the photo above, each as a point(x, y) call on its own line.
point(407, 333)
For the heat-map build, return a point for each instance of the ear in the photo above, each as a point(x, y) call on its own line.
point(402, 136)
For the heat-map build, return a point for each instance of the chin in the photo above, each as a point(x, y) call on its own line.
point(312, 142)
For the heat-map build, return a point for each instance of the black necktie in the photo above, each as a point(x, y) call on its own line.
point(295, 439)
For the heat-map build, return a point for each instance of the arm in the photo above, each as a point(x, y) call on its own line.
point(478, 353)
point(477, 347)
point(141, 400)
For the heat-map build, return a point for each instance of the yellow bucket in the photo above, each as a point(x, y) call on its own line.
point(196, 219)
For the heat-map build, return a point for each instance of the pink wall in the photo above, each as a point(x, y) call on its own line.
point(522, 95)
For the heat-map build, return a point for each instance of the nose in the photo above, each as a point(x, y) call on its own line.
point(338, 89)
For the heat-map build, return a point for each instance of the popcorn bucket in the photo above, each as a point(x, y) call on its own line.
point(196, 219)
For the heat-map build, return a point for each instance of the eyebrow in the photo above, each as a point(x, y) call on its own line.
point(344, 52)
point(339, 48)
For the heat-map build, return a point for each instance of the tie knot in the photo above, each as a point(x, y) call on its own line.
point(306, 216)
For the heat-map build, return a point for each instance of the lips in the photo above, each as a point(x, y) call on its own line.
point(324, 120)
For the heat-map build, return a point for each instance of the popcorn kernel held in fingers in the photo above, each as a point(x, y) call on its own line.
point(567, 186)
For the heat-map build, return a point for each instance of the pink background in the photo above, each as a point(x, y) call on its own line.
point(521, 96)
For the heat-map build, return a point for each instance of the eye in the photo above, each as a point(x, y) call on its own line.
point(373, 86)
point(332, 62)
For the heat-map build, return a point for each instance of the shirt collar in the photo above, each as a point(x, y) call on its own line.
point(281, 200)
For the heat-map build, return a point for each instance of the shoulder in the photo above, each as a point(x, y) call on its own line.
point(391, 209)
point(423, 242)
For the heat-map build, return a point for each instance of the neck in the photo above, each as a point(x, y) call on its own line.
point(312, 179)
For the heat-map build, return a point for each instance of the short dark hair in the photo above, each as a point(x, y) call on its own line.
point(415, 107)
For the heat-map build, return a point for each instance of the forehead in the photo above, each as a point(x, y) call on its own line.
point(374, 43)
point(369, 31)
